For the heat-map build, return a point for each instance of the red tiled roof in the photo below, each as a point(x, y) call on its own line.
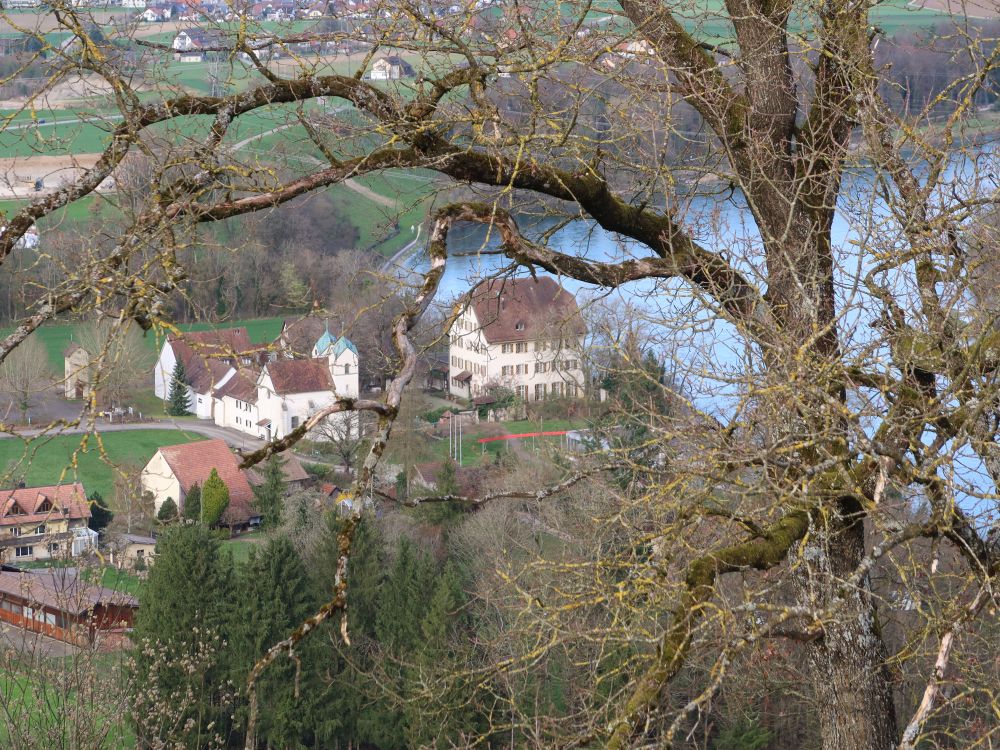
point(242, 386)
point(207, 355)
point(525, 310)
point(30, 499)
point(192, 463)
point(300, 375)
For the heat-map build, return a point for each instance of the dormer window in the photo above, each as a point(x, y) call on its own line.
point(519, 326)
point(45, 507)
point(15, 510)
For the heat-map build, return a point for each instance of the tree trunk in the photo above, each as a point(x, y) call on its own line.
point(847, 665)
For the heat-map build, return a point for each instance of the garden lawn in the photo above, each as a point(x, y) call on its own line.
point(474, 452)
point(46, 461)
point(240, 547)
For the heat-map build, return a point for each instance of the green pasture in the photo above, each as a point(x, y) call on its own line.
point(78, 458)
point(80, 210)
point(241, 546)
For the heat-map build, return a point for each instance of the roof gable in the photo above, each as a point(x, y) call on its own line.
point(525, 309)
point(31, 504)
point(192, 463)
point(289, 376)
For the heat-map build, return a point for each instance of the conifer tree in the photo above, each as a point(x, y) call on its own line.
point(214, 499)
point(269, 497)
point(276, 597)
point(167, 511)
point(192, 503)
point(180, 631)
point(178, 397)
point(100, 514)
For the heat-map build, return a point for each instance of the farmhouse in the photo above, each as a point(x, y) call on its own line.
point(60, 603)
point(209, 359)
point(39, 523)
point(523, 334)
point(391, 68)
point(193, 45)
point(174, 469)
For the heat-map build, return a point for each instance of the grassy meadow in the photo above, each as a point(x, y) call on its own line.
point(78, 458)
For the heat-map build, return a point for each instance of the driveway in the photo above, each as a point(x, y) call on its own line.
point(30, 643)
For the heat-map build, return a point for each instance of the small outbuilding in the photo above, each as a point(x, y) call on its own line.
point(76, 372)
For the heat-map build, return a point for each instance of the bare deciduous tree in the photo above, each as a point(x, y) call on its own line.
point(842, 381)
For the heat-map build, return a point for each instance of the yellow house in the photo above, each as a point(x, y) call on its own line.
point(134, 551)
point(38, 523)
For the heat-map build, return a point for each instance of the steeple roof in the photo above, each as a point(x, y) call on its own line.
point(342, 344)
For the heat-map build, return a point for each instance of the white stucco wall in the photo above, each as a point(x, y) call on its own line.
point(157, 478)
point(468, 349)
point(237, 415)
point(344, 370)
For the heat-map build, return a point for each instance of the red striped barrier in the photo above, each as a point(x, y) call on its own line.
point(522, 435)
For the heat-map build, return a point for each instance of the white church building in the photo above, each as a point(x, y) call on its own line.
point(266, 392)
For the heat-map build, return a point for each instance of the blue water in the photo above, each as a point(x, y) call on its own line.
point(705, 353)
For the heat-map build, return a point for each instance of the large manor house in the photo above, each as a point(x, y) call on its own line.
point(525, 334)
point(264, 391)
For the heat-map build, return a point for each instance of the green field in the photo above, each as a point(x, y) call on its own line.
point(46, 461)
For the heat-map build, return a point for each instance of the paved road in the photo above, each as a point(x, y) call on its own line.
point(96, 119)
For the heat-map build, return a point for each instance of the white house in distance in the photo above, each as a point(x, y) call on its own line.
point(266, 394)
point(525, 334)
point(209, 358)
point(391, 68)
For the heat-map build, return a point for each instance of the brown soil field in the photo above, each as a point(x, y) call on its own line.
point(18, 174)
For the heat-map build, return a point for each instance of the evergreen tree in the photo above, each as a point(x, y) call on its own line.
point(352, 696)
point(276, 598)
point(100, 514)
point(178, 397)
point(447, 480)
point(404, 598)
point(167, 511)
point(214, 499)
point(402, 605)
point(192, 503)
point(180, 658)
point(269, 496)
point(437, 717)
